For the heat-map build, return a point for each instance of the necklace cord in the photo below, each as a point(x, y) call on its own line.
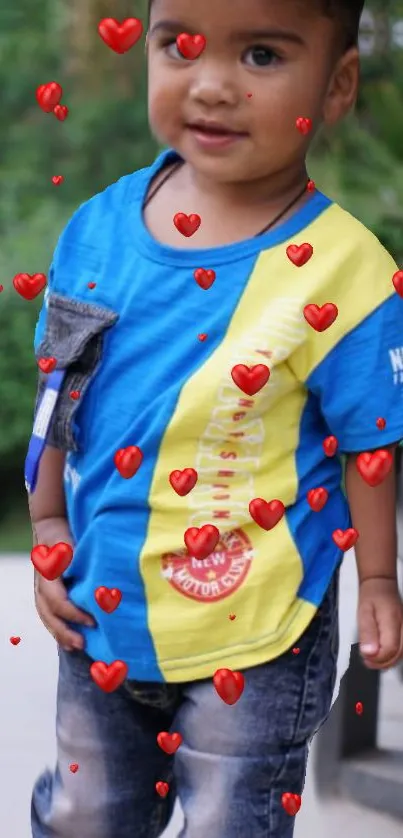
point(265, 229)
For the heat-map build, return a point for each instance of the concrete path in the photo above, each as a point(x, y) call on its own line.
point(27, 706)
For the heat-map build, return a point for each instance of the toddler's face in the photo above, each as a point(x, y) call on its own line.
point(287, 77)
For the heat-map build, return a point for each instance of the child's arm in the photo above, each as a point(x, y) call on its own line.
point(49, 526)
point(373, 512)
point(47, 506)
point(380, 611)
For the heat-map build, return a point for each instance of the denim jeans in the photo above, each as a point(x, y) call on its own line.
point(233, 765)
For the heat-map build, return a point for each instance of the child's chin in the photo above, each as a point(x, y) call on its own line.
point(221, 159)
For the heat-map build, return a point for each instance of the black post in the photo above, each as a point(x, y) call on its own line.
point(345, 733)
point(359, 732)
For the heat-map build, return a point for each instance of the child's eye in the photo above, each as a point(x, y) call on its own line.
point(170, 47)
point(259, 56)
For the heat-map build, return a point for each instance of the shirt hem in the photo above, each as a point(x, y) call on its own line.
point(358, 444)
point(235, 658)
point(238, 658)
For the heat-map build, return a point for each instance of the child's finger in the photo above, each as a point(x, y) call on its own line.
point(368, 631)
point(390, 632)
point(65, 637)
point(68, 611)
point(53, 595)
point(379, 663)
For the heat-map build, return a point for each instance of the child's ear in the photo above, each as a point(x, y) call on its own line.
point(343, 90)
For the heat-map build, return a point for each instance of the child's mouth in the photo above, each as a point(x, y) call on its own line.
point(214, 135)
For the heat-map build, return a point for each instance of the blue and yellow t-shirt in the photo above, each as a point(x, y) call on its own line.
point(159, 387)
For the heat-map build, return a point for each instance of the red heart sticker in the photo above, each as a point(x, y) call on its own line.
point(75, 394)
point(61, 112)
point(108, 598)
point(299, 254)
point(381, 423)
point(374, 467)
point(1, 288)
point(359, 708)
point(74, 766)
point(320, 317)
point(397, 280)
point(183, 481)
point(187, 224)
point(311, 186)
point(345, 539)
point(201, 542)
point(47, 365)
point(296, 650)
point(190, 46)
point(49, 95)
point(169, 742)
point(51, 562)
point(204, 278)
point(29, 285)
point(266, 514)
point(15, 640)
point(231, 617)
point(250, 379)
point(304, 124)
point(317, 498)
point(330, 445)
point(229, 685)
point(202, 337)
point(92, 285)
point(120, 37)
point(162, 788)
point(128, 461)
point(109, 677)
point(291, 803)
point(57, 179)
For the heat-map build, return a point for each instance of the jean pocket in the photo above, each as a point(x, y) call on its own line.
point(74, 337)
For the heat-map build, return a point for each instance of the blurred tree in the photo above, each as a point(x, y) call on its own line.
point(360, 162)
point(105, 136)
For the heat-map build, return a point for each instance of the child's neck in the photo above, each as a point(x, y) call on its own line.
point(230, 212)
point(272, 192)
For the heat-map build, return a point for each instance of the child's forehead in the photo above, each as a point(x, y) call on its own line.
point(233, 13)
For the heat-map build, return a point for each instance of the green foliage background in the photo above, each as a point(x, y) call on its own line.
point(360, 164)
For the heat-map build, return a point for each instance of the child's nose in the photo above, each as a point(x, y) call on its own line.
point(212, 87)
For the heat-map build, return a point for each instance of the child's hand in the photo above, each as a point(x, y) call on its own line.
point(380, 623)
point(54, 609)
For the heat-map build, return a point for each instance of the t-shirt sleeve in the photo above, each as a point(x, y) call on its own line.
point(361, 380)
point(88, 226)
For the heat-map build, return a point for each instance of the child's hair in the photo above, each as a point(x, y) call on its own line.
point(346, 13)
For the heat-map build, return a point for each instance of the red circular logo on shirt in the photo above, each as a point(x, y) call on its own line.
point(214, 578)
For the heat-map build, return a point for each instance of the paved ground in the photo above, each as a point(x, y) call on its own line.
point(27, 701)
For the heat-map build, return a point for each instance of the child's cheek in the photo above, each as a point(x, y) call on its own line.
point(162, 114)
